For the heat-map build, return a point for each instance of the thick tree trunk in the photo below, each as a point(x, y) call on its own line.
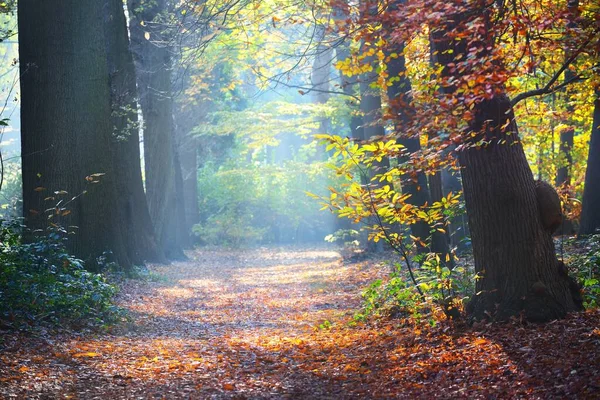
point(590, 213)
point(513, 252)
point(65, 125)
point(131, 202)
point(154, 84)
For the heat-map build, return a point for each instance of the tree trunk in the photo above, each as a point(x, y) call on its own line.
point(348, 85)
point(153, 59)
point(131, 202)
point(371, 110)
point(513, 252)
point(440, 241)
point(65, 125)
point(459, 228)
point(563, 175)
point(590, 213)
point(399, 98)
point(188, 150)
point(321, 73)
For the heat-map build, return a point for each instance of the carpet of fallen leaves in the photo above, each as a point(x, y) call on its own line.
point(245, 324)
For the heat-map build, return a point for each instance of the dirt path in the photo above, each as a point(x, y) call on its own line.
point(245, 325)
point(209, 327)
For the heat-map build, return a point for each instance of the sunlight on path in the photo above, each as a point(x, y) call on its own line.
point(208, 327)
point(273, 324)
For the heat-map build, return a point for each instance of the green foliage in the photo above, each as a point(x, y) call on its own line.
point(442, 288)
point(249, 203)
point(348, 237)
point(11, 194)
point(392, 297)
point(41, 282)
point(587, 269)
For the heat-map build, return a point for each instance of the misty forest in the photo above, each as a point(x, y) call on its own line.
point(316, 199)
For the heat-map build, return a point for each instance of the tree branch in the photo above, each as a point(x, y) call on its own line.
point(548, 89)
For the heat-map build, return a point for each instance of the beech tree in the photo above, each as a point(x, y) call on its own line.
point(512, 248)
point(151, 49)
point(590, 213)
point(69, 178)
point(132, 208)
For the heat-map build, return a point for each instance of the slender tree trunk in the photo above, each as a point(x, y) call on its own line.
point(131, 202)
point(188, 150)
point(371, 110)
point(65, 125)
point(590, 213)
point(321, 74)
point(440, 241)
point(563, 175)
point(400, 99)
point(459, 227)
point(513, 252)
point(153, 59)
point(348, 85)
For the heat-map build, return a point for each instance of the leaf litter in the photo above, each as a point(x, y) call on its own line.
point(275, 323)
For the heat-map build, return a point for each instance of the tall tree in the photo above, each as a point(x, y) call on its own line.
point(131, 202)
point(150, 44)
point(320, 77)
point(65, 125)
point(347, 84)
point(567, 134)
point(512, 247)
point(590, 213)
point(399, 101)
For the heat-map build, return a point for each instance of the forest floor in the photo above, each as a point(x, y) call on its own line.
point(274, 323)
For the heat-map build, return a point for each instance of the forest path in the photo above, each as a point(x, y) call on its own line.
point(245, 325)
point(214, 326)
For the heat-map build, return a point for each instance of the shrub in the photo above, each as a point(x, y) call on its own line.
point(586, 266)
point(41, 282)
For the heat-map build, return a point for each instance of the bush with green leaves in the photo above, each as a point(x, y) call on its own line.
point(40, 282)
point(437, 285)
point(586, 266)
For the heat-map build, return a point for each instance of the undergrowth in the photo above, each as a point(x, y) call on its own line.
point(585, 264)
point(448, 290)
point(444, 292)
point(41, 283)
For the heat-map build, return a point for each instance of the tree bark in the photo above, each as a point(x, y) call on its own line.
point(65, 126)
point(513, 252)
point(153, 61)
point(321, 74)
point(348, 85)
point(590, 213)
point(563, 175)
point(400, 99)
point(131, 202)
